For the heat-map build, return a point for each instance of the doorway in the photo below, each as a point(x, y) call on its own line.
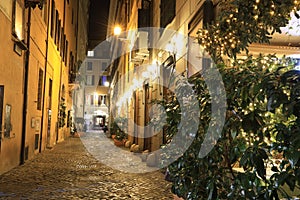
point(1, 111)
point(98, 122)
point(147, 130)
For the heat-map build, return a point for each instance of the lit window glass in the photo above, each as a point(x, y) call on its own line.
point(18, 25)
point(91, 53)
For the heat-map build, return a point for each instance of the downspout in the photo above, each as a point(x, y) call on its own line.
point(60, 79)
point(25, 96)
point(77, 33)
point(76, 55)
point(45, 77)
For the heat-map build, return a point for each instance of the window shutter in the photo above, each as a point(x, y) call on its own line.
point(167, 12)
point(143, 18)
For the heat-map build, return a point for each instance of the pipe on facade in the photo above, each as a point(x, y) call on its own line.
point(60, 79)
point(25, 96)
point(45, 80)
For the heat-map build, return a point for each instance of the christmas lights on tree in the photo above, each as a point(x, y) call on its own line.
point(241, 23)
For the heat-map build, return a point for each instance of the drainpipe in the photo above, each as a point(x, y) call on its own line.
point(45, 77)
point(25, 99)
point(61, 71)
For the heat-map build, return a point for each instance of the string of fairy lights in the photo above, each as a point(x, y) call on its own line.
point(241, 23)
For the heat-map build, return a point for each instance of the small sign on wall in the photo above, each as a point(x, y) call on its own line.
point(7, 121)
point(32, 122)
point(36, 123)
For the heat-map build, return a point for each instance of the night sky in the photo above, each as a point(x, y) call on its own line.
point(98, 22)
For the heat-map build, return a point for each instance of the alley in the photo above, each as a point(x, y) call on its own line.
point(69, 171)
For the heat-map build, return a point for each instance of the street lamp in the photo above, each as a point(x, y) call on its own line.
point(106, 83)
point(117, 30)
point(34, 3)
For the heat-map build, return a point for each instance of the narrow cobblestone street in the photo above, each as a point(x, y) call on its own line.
point(69, 171)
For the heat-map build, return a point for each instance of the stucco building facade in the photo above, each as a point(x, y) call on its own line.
point(43, 42)
point(91, 97)
point(130, 91)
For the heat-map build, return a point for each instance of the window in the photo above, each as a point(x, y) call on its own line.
point(5, 7)
point(66, 52)
point(18, 21)
point(40, 90)
point(87, 99)
point(7, 121)
point(58, 34)
point(104, 66)
point(90, 80)
point(102, 80)
point(297, 63)
point(1, 107)
point(91, 53)
point(44, 12)
point(167, 12)
point(62, 43)
point(89, 66)
point(50, 94)
point(92, 99)
point(104, 100)
point(195, 52)
point(99, 100)
point(144, 14)
point(53, 19)
point(72, 16)
point(56, 27)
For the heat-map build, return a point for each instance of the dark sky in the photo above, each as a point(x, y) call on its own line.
point(98, 21)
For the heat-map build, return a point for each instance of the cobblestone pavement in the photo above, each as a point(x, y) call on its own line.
point(69, 171)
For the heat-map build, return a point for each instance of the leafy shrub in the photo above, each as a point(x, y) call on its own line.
point(261, 132)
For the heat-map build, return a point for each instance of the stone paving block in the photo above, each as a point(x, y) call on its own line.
point(69, 171)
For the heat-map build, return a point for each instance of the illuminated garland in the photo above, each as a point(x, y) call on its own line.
point(241, 23)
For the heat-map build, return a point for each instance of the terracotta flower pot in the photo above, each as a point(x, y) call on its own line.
point(177, 198)
point(118, 142)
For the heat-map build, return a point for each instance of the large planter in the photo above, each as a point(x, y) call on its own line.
point(118, 142)
point(177, 198)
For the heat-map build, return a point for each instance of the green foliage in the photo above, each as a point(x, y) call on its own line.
point(262, 124)
point(240, 23)
point(119, 128)
point(258, 155)
point(62, 113)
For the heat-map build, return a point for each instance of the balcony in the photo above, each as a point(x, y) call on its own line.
point(141, 52)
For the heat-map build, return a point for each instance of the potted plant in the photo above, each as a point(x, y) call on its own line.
point(120, 138)
point(118, 128)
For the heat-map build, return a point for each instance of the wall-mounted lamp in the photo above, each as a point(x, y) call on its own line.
point(117, 30)
point(34, 3)
point(106, 83)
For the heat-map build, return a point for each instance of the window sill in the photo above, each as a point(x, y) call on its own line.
point(19, 45)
